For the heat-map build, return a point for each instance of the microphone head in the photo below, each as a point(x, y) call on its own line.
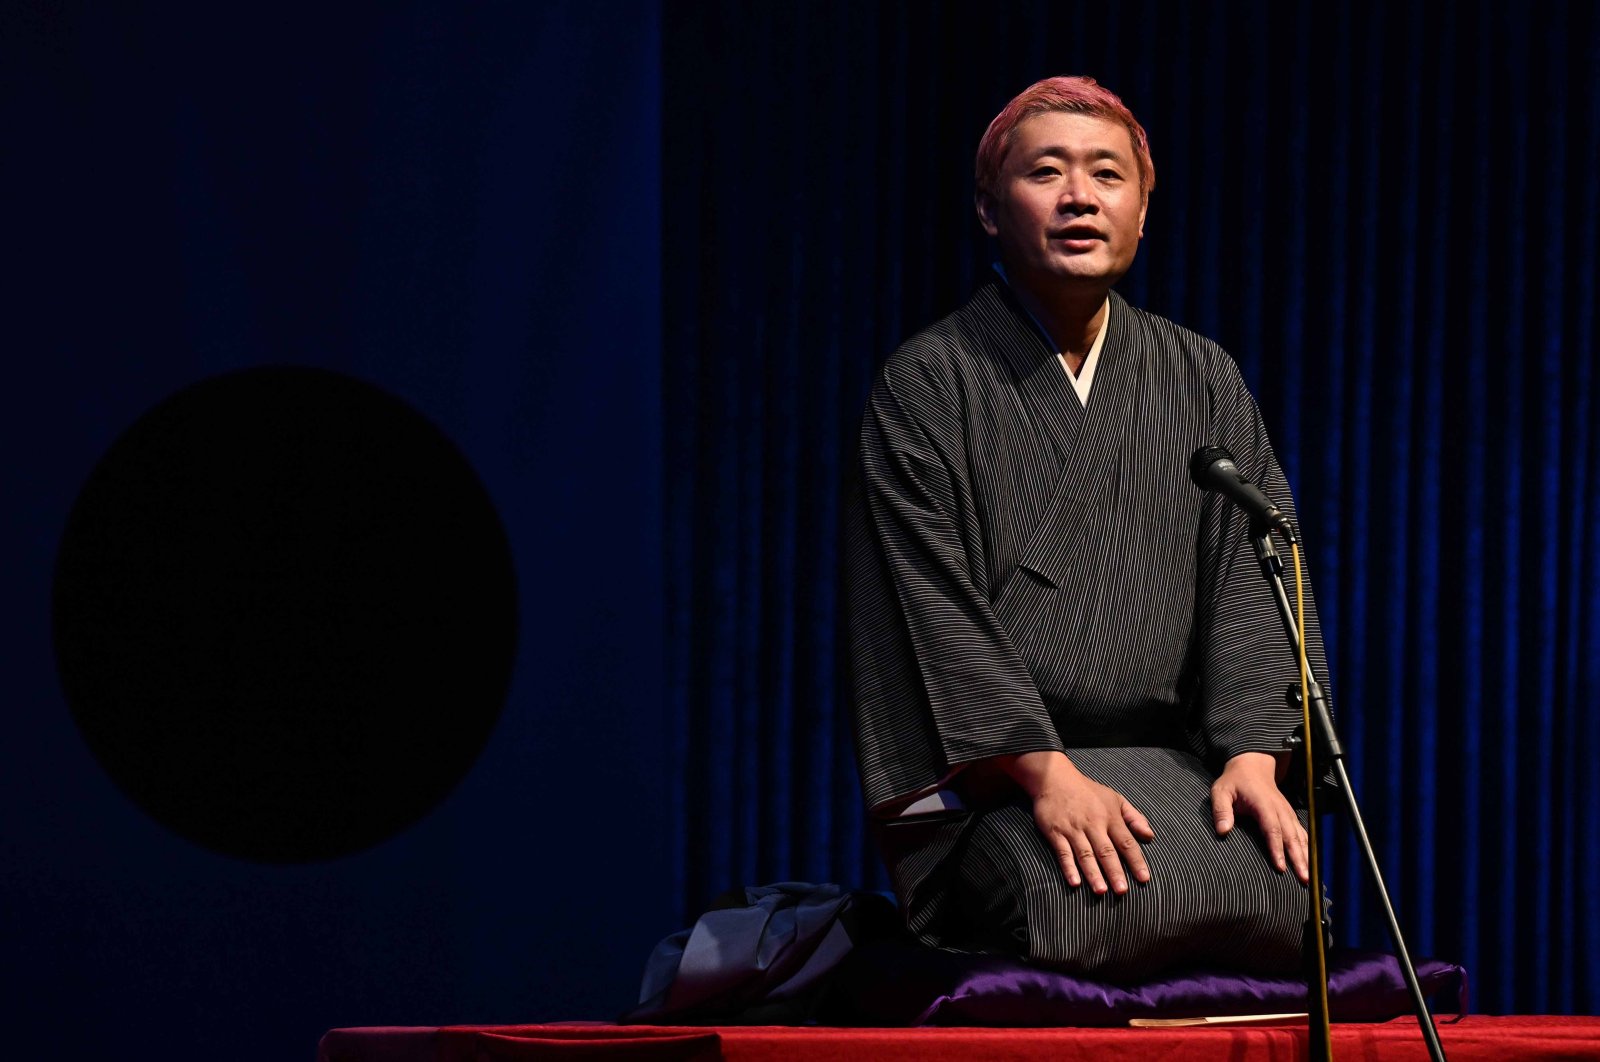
point(1204, 460)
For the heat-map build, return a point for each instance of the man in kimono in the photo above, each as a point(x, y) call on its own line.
point(1068, 678)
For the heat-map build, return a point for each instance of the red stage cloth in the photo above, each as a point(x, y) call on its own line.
point(1479, 1037)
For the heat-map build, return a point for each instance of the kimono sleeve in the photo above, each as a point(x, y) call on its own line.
point(936, 682)
point(1246, 666)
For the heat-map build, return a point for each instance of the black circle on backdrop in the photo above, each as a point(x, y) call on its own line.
point(284, 614)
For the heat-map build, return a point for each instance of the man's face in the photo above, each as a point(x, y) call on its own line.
point(1067, 207)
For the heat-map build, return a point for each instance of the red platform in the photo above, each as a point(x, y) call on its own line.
point(1478, 1037)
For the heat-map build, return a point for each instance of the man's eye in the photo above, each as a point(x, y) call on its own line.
point(1109, 175)
point(1044, 171)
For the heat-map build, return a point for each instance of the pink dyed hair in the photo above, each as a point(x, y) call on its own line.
point(1075, 95)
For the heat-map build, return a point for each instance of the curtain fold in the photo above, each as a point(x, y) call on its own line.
point(1387, 216)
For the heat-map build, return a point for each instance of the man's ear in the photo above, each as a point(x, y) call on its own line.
point(985, 203)
point(1144, 207)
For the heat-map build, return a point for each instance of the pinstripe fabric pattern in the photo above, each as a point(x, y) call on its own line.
point(1028, 573)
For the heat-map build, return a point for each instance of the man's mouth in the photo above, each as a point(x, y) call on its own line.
point(1077, 240)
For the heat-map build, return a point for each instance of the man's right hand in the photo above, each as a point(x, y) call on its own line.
point(1093, 829)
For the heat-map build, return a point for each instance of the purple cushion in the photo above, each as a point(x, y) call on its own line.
point(893, 983)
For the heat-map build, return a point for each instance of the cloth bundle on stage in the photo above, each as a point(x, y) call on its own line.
point(762, 955)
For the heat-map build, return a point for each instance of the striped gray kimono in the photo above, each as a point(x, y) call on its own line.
point(1026, 572)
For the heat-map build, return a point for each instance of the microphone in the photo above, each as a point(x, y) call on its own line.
point(1212, 468)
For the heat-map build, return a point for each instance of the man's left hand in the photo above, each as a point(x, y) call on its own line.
point(1249, 784)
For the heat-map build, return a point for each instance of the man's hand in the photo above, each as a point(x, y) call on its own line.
point(1249, 784)
point(1091, 827)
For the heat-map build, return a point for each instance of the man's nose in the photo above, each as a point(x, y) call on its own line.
point(1077, 195)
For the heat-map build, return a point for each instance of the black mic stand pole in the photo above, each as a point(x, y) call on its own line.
point(1325, 743)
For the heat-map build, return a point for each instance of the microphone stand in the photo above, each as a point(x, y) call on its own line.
point(1324, 741)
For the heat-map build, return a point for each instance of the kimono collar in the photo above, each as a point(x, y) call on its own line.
point(1083, 379)
point(1013, 337)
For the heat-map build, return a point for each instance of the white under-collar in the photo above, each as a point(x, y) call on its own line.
point(1084, 380)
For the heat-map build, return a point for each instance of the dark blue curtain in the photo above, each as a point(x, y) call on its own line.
point(1387, 214)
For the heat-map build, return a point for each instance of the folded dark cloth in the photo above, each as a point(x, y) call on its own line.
point(760, 956)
